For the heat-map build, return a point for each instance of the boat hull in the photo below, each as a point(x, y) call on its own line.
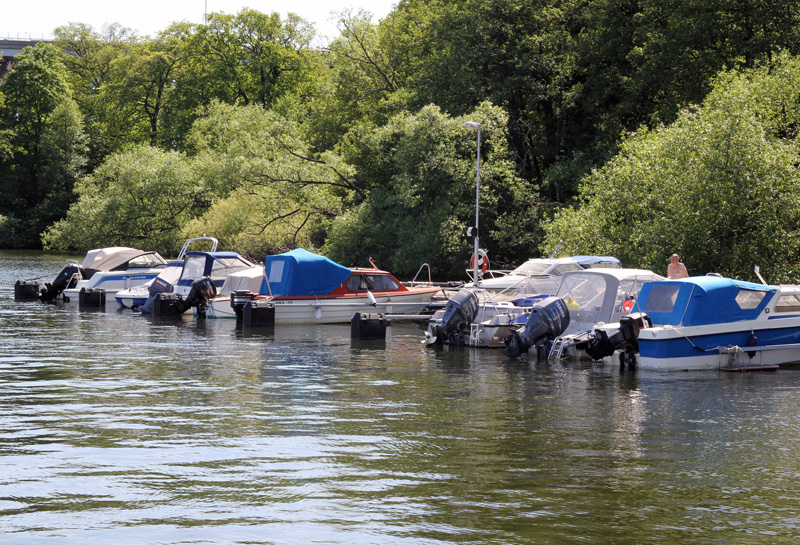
point(111, 283)
point(720, 346)
point(332, 310)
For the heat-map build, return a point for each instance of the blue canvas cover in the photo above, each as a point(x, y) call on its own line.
point(300, 272)
point(701, 300)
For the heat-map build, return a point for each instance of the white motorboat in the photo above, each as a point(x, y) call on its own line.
point(110, 269)
point(591, 295)
point(308, 288)
point(135, 297)
point(707, 322)
point(542, 276)
point(596, 296)
point(489, 318)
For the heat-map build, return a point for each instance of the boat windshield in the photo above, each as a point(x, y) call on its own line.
point(172, 273)
point(147, 261)
point(224, 266)
point(194, 267)
point(585, 292)
point(531, 268)
point(367, 282)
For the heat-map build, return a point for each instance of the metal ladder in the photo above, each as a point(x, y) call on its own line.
point(556, 349)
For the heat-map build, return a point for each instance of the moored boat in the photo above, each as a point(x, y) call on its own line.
point(108, 269)
point(542, 276)
point(310, 288)
point(711, 322)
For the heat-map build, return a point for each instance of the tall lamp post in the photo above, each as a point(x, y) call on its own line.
point(472, 125)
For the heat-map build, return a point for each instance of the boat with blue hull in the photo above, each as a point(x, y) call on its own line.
point(711, 322)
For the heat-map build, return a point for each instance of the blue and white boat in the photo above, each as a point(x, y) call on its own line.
point(190, 266)
point(108, 269)
point(711, 322)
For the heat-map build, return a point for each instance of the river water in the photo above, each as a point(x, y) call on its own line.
point(118, 428)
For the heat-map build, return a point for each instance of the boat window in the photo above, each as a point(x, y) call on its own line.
point(749, 299)
point(194, 267)
point(583, 291)
point(224, 266)
point(788, 303)
point(384, 283)
point(559, 270)
point(276, 271)
point(147, 261)
point(534, 267)
point(662, 297)
point(171, 274)
point(360, 282)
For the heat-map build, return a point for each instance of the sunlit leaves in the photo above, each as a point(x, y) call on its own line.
point(720, 186)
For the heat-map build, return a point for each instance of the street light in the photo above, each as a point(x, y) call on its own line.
point(472, 125)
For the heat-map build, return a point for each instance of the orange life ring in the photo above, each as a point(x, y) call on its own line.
point(483, 262)
point(627, 305)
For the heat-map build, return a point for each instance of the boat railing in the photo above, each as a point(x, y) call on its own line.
point(430, 281)
point(189, 242)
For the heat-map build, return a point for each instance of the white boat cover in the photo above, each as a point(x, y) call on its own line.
point(248, 279)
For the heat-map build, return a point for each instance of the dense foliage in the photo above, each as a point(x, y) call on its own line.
point(720, 186)
point(629, 127)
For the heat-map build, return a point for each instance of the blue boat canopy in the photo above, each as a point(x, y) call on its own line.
point(300, 272)
point(701, 300)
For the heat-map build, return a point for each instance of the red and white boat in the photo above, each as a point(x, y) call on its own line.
point(310, 288)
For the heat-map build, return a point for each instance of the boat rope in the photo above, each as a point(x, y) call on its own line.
point(682, 334)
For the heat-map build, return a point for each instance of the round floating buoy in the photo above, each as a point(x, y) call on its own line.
point(483, 262)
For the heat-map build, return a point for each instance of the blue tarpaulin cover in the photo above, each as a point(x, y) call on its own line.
point(300, 272)
point(701, 300)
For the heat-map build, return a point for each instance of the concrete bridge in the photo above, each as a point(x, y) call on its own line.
point(10, 48)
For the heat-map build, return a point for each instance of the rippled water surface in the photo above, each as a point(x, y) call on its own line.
point(116, 428)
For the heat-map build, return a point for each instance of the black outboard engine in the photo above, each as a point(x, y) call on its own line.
point(548, 319)
point(67, 278)
point(461, 309)
point(600, 344)
point(203, 290)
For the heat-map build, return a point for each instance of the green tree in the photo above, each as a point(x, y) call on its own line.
point(139, 198)
point(719, 186)
point(271, 191)
point(420, 173)
point(88, 55)
point(139, 90)
point(43, 130)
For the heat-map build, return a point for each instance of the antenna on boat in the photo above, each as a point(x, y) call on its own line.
point(555, 251)
point(757, 269)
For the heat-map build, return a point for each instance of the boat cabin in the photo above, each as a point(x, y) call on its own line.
point(703, 300)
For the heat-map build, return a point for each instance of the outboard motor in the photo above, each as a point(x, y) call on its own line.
point(159, 285)
point(548, 319)
point(203, 290)
point(600, 344)
point(67, 278)
point(461, 309)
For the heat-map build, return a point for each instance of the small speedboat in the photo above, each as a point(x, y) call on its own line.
point(309, 288)
point(708, 322)
point(596, 296)
point(135, 297)
point(590, 295)
point(110, 269)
